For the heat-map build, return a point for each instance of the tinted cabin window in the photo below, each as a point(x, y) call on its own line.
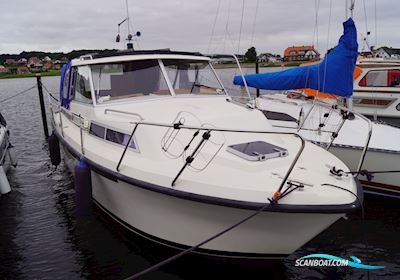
point(381, 78)
point(119, 138)
point(97, 130)
point(128, 79)
point(112, 135)
point(82, 92)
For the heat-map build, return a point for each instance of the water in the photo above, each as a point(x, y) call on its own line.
point(41, 239)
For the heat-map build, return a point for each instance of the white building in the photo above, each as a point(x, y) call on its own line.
point(387, 53)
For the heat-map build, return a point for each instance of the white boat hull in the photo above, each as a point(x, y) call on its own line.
point(181, 223)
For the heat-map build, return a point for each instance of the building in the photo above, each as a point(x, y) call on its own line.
point(241, 57)
point(301, 53)
point(268, 57)
point(57, 66)
point(47, 59)
point(388, 53)
point(222, 59)
point(23, 70)
point(34, 62)
point(4, 69)
point(47, 66)
point(10, 61)
point(64, 59)
point(22, 61)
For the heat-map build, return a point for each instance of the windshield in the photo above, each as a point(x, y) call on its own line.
point(192, 77)
point(128, 79)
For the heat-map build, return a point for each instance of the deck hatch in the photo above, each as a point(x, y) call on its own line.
point(257, 151)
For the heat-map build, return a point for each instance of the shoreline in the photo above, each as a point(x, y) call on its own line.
point(54, 73)
point(30, 75)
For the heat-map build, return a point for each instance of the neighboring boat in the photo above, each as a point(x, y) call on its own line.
point(176, 160)
point(377, 88)
point(326, 123)
point(7, 156)
point(287, 112)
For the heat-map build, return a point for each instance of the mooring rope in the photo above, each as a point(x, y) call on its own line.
point(17, 94)
point(191, 249)
point(364, 172)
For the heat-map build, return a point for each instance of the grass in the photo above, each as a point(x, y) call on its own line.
point(30, 75)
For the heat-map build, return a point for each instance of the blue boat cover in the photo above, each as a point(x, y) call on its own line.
point(64, 97)
point(333, 75)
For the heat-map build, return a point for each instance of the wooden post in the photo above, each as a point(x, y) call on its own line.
point(257, 71)
point(42, 108)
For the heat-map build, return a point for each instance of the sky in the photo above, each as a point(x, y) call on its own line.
point(188, 25)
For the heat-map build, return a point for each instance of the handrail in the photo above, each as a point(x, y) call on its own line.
point(329, 106)
point(241, 74)
point(123, 112)
point(179, 126)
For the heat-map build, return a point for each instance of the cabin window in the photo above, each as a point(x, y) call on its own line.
point(119, 138)
point(112, 135)
point(65, 84)
point(82, 92)
point(128, 79)
point(192, 77)
point(97, 130)
point(381, 78)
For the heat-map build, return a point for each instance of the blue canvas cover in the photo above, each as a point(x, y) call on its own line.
point(65, 101)
point(333, 75)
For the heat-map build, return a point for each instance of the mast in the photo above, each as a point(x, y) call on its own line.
point(349, 101)
point(129, 38)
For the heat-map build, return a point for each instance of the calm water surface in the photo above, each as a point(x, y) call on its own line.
point(41, 239)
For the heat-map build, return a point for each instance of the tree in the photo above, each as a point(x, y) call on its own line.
point(251, 55)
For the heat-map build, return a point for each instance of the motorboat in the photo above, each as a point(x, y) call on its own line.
point(7, 154)
point(377, 88)
point(176, 160)
point(325, 122)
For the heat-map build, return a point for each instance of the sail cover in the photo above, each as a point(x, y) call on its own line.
point(65, 81)
point(333, 75)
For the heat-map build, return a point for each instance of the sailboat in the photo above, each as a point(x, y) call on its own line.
point(323, 121)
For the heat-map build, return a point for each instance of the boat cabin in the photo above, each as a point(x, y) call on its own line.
point(137, 75)
point(377, 88)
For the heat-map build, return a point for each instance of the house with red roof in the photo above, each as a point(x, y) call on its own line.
point(301, 53)
point(34, 62)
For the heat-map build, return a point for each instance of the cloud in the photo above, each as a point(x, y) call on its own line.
point(55, 25)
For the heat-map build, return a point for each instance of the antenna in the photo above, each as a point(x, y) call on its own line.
point(129, 37)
